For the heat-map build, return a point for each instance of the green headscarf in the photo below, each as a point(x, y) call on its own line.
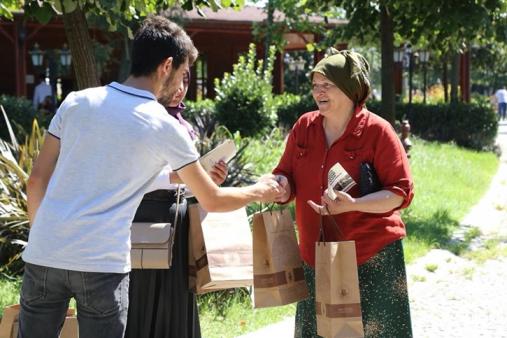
point(348, 70)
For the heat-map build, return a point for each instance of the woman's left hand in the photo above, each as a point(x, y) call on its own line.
point(219, 172)
point(342, 203)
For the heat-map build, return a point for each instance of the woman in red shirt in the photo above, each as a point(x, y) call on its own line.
point(344, 131)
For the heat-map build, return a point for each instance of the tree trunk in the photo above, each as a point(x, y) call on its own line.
point(269, 27)
point(445, 81)
point(387, 46)
point(455, 77)
point(81, 48)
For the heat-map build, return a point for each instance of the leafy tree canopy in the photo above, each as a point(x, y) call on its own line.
point(117, 13)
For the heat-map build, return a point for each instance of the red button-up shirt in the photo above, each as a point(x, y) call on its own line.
point(306, 163)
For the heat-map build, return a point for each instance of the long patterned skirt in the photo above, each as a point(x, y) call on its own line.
point(384, 297)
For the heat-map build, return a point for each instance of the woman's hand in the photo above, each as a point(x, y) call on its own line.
point(284, 183)
point(342, 203)
point(219, 172)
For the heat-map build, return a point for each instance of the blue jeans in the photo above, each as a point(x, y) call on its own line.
point(502, 108)
point(102, 302)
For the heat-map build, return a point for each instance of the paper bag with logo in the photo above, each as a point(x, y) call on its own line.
point(9, 325)
point(278, 270)
point(221, 249)
point(337, 298)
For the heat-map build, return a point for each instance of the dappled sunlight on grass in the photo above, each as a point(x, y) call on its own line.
point(229, 313)
point(448, 182)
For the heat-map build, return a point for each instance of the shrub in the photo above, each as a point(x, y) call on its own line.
point(244, 100)
point(240, 169)
point(21, 113)
point(471, 125)
point(290, 107)
point(15, 166)
point(202, 115)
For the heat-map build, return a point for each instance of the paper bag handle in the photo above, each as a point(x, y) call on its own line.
point(322, 235)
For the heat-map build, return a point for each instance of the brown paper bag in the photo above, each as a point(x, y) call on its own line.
point(221, 250)
point(9, 325)
point(278, 270)
point(337, 297)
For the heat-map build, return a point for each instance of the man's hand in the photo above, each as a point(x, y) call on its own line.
point(219, 172)
point(270, 188)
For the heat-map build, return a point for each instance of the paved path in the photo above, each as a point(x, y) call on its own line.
point(461, 298)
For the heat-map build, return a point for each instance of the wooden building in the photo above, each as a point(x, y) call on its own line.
point(219, 36)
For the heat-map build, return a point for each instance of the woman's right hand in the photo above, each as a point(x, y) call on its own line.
point(284, 182)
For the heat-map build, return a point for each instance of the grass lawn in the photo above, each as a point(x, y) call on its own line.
point(9, 292)
point(448, 182)
point(231, 315)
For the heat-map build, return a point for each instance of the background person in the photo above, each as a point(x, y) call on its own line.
point(501, 100)
point(160, 303)
point(344, 131)
point(104, 147)
point(43, 95)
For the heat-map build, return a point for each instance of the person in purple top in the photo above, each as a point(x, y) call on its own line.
point(161, 305)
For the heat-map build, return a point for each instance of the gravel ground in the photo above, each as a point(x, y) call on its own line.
point(459, 299)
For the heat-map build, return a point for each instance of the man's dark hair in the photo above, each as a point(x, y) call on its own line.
point(157, 39)
point(42, 77)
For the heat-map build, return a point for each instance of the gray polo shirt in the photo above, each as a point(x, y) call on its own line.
point(114, 140)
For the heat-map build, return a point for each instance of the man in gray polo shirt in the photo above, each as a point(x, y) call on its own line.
point(104, 147)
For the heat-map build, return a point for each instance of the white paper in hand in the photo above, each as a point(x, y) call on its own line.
point(338, 179)
point(225, 151)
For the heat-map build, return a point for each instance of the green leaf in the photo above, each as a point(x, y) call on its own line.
point(69, 5)
point(5, 12)
point(130, 33)
point(42, 14)
point(57, 6)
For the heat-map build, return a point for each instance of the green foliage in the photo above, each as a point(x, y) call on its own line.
point(431, 267)
point(229, 313)
point(290, 107)
point(21, 113)
point(240, 169)
point(244, 98)
point(489, 71)
point(202, 116)
point(472, 125)
point(117, 14)
point(9, 292)
point(7, 6)
point(15, 167)
point(494, 249)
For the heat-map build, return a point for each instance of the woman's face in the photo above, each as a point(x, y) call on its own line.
point(328, 96)
point(181, 92)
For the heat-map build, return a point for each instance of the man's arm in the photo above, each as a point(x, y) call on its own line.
point(213, 198)
point(41, 173)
